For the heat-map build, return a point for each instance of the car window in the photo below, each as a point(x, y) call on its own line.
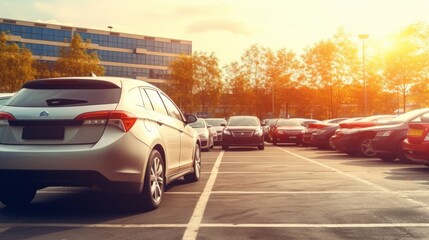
point(284, 123)
point(171, 107)
point(64, 97)
point(215, 122)
point(156, 101)
point(146, 102)
point(198, 124)
point(249, 121)
point(135, 96)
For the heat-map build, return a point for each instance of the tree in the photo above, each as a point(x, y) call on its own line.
point(15, 65)
point(181, 84)
point(406, 62)
point(78, 59)
point(207, 80)
point(238, 86)
point(195, 82)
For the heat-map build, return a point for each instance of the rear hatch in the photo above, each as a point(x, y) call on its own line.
point(59, 111)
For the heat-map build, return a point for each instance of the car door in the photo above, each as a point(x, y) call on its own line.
point(186, 133)
point(170, 131)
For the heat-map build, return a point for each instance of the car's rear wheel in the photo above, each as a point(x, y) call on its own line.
point(154, 182)
point(17, 196)
point(261, 147)
point(365, 148)
point(274, 142)
point(195, 175)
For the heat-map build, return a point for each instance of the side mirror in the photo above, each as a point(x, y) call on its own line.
point(191, 118)
point(223, 125)
point(263, 124)
point(209, 126)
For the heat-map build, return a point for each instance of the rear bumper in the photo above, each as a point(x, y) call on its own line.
point(118, 165)
point(288, 138)
point(416, 152)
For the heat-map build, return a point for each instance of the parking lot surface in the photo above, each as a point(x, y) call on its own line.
point(282, 192)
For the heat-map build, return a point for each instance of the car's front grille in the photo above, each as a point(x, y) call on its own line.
point(242, 133)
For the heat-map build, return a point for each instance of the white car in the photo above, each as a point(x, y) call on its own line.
point(205, 134)
point(114, 134)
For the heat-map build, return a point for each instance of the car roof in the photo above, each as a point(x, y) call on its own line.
point(118, 81)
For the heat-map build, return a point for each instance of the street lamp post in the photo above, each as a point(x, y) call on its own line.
point(363, 37)
point(110, 27)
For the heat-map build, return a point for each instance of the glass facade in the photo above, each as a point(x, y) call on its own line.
point(120, 55)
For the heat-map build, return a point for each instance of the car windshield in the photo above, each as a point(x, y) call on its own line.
point(198, 124)
point(243, 121)
point(215, 122)
point(285, 123)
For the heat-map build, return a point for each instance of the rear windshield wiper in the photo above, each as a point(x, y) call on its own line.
point(64, 101)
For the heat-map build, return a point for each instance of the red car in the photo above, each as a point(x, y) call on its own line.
point(287, 131)
point(416, 145)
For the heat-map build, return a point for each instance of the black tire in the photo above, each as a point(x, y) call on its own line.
point(365, 149)
point(17, 196)
point(225, 147)
point(154, 183)
point(274, 142)
point(261, 147)
point(195, 175)
point(400, 153)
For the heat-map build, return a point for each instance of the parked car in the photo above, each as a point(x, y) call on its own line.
point(307, 138)
point(352, 137)
point(416, 145)
point(243, 131)
point(387, 143)
point(4, 97)
point(216, 124)
point(267, 124)
point(113, 134)
point(204, 133)
point(287, 131)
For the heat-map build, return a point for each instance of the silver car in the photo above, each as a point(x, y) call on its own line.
point(113, 134)
point(205, 134)
point(4, 97)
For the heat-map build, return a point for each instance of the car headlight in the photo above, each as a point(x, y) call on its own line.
point(226, 132)
point(258, 132)
point(384, 133)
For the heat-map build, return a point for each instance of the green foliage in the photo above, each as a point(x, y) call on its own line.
point(15, 65)
point(78, 60)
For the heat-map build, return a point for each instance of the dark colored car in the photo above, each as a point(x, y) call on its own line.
point(312, 128)
point(216, 123)
point(353, 139)
point(416, 146)
point(243, 131)
point(387, 143)
point(287, 131)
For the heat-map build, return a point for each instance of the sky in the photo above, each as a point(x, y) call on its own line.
point(228, 27)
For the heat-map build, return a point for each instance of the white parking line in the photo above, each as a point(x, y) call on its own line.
point(197, 216)
point(400, 194)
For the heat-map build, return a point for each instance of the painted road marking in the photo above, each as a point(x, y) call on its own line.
point(402, 195)
point(197, 216)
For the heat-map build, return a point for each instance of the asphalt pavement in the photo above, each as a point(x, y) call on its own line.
point(282, 192)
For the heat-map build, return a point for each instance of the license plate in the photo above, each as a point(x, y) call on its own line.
point(415, 132)
point(292, 137)
point(43, 133)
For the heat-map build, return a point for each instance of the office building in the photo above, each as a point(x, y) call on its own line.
point(121, 54)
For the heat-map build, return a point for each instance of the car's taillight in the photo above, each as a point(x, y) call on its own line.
point(418, 132)
point(5, 117)
point(121, 119)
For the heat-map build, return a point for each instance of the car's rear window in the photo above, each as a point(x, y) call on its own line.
point(243, 121)
point(49, 93)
